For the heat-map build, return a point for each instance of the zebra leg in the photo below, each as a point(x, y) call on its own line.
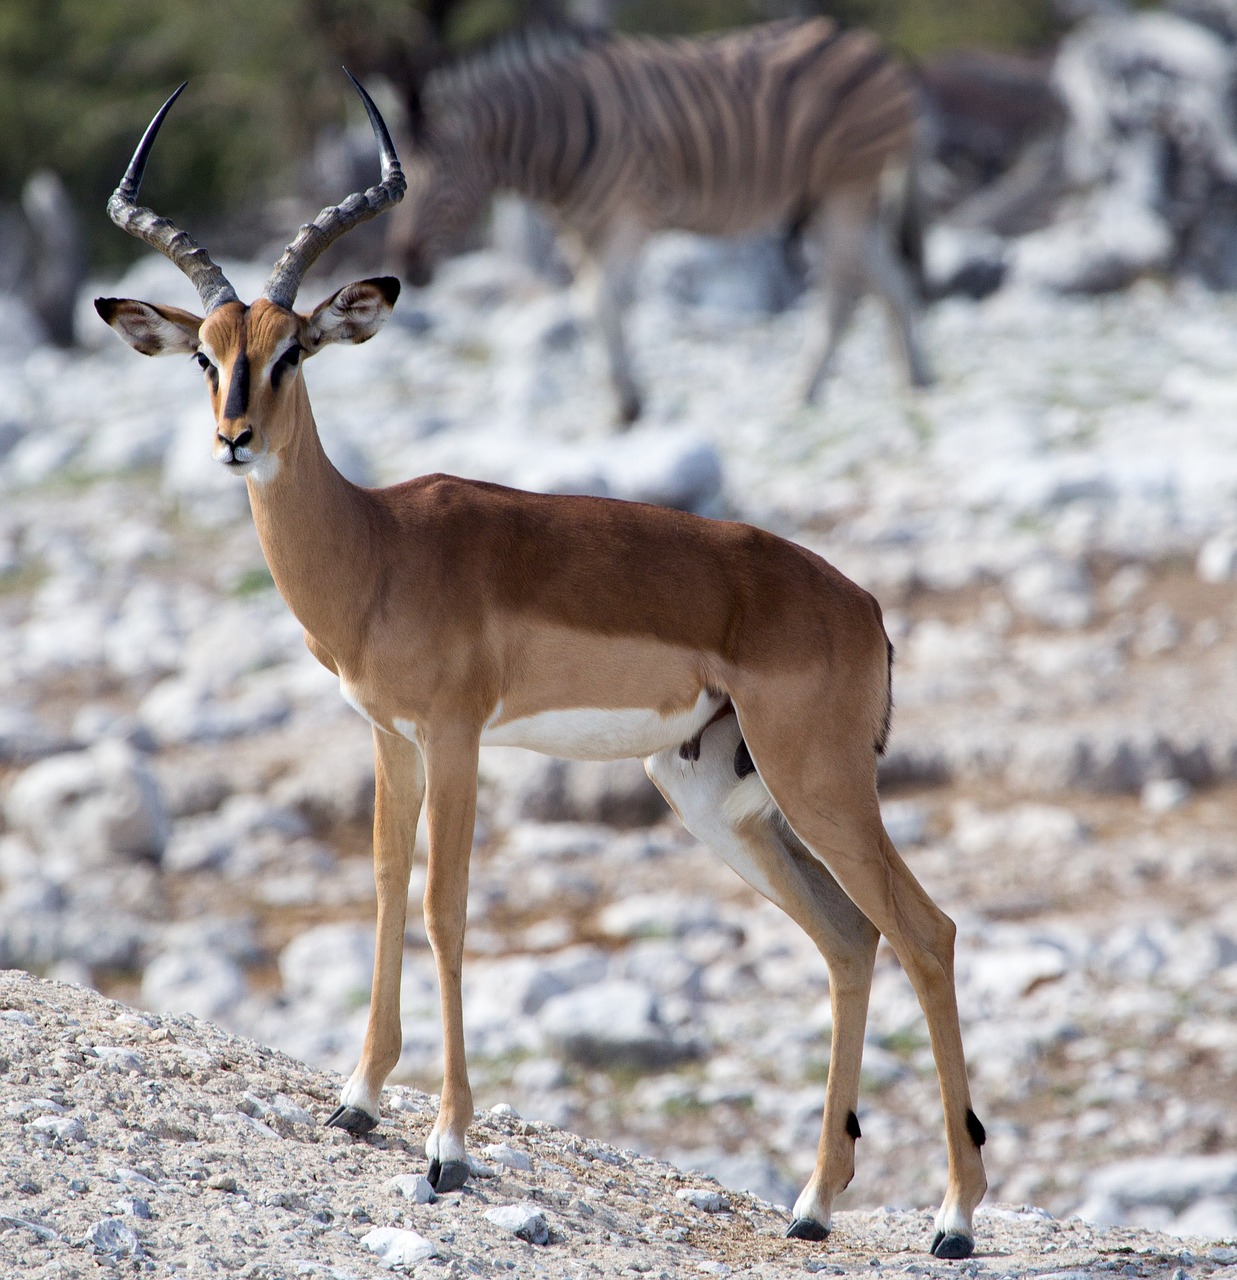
point(615, 262)
point(722, 801)
point(889, 278)
point(838, 237)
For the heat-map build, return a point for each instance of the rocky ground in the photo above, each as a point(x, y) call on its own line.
point(1051, 530)
point(135, 1144)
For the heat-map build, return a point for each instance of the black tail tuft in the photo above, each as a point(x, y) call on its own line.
point(882, 740)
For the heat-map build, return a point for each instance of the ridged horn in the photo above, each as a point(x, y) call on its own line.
point(160, 233)
point(316, 236)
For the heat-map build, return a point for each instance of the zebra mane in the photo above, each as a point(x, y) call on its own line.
point(533, 50)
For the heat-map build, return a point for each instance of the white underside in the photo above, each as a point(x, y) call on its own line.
point(714, 804)
point(587, 733)
point(580, 733)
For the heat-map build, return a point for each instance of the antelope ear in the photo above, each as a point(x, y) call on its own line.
point(354, 314)
point(154, 331)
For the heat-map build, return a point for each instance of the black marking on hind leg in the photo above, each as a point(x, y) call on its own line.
point(743, 763)
point(690, 750)
point(852, 1125)
point(975, 1129)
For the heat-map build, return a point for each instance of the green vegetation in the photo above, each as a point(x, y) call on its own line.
point(253, 581)
point(79, 79)
point(916, 27)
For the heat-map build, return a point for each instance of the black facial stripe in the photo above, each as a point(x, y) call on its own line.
point(238, 389)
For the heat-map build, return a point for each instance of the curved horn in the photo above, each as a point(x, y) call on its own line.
point(211, 284)
point(332, 222)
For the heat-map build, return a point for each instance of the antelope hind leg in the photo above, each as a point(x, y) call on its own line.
point(713, 787)
point(827, 792)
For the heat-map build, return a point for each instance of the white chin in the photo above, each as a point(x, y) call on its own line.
point(260, 469)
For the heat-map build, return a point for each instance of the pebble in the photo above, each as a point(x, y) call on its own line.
point(413, 1186)
point(501, 1153)
point(703, 1199)
point(525, 1221)
point(113, 1238)
point(397, 1248)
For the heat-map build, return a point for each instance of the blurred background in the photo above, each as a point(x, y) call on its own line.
point(185, 801)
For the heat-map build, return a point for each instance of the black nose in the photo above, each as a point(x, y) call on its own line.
point(242, 438)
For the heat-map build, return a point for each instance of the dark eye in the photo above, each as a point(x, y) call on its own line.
point(288, 361)
point(207, 368)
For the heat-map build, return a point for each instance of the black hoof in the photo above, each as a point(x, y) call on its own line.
point(806, 1229)
point(952, 1245)
point(353, 1119)
point(448, 1177)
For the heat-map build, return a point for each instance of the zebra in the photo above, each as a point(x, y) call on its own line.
point(800, 125)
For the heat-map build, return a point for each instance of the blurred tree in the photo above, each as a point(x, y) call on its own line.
point(79, 80)
point(915, 27)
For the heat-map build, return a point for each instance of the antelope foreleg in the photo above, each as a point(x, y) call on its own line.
point(451, 805)
point(398, 791)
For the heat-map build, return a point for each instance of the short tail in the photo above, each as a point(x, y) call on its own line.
point(882, 738)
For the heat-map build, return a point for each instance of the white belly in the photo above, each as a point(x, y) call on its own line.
point(587, 733)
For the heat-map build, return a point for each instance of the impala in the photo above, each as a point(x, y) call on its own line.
point(752, 675)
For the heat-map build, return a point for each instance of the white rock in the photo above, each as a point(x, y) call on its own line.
point(397, 1248)
point(1024, 827)
point(1053, 591)
point(1000, 975)
point(413, 1186)
point(1211, 1218)
point(203, 983)
point(704, 1199)
point(1217, 559)
point(114, 1238)
point(279, 1106)
point(183, 709)
point(1174, 1181)
point(745, 276)
point(610, 1024)
point(1161, 795)
point(672, 467)
point(62, 1129)
point(507, 1156)
point(523, 1220)
point(120, 1058)
point(198, 485)
point(906, 822)
point(660, 915)
point(90, 807)
point(332, 964)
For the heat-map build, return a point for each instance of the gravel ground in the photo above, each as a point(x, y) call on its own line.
point(134, 1144)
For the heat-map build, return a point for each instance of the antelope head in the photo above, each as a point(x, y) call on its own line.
point(251, 355)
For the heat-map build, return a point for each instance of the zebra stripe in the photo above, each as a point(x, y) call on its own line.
point(774, 126)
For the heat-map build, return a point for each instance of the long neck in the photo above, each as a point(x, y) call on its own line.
point(318, 536)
